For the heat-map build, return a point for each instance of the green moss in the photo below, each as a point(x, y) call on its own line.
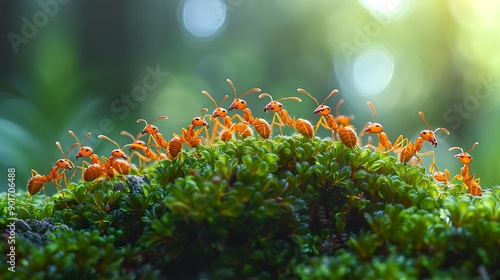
point(282, 208)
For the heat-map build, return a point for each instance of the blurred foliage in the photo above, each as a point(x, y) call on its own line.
point(84, 57)
point(266, 209)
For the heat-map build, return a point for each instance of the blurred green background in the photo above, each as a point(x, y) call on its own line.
point(98, 66)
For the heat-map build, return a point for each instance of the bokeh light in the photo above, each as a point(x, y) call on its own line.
point(388, 11)
point(203, 18)
point(372, 70)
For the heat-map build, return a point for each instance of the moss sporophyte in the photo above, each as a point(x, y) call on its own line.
point(258, 207)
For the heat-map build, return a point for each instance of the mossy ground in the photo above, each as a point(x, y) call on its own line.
point(288, 208)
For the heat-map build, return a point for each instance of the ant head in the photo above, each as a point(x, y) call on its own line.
point(239, 103)
point(140, 143)
point(64, 163)
point(149, 129)
point(273, 106)
point(119, 153)
point(428, 135)
point(374, 128)
point(84, 152)
point(322, 110)
point(464, 157)
point(219, 112)
point(199, 121)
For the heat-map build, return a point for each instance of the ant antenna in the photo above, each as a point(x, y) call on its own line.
point(373, 110)
point(279, 99)
point(335, 91)
point(213, 101)
point(107, 138)
point(423, 118)
point(458, 148)
point(245, 93)
point(126, 133)
point(60, 149)
point(308, 94)
point(341, 101)
point(160, 118)
point(473, 146)
point(76, 138)
point(428, 126)
point(202, 111)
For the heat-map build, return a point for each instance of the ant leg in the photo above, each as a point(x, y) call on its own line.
point(141, 159)
point(69, 180)
point(369, 145)
point(278, 123)
point(193, 149)
point(96, 181)
point(426, 154)
point(217, 124)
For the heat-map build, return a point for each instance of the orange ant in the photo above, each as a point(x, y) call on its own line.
point(37, 181)
point(468, 181)
point(93, 170)
point(442, 177)
point(373, 127)
point(114, 163)
point(261, 126)
point(189, 136)
point(412, 149)
point(153, 132)
point(242, 129)
point(346, 133)
point(304, 126)
point(141, 145)
point(342, 119)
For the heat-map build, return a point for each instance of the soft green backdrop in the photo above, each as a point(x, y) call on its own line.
point(90, 66)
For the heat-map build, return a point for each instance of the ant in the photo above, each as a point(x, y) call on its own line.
point(342, 119)
point(439, 176)
point(141, 145)
point(242, 129)
point(114, 163)
point(37, 181)
point(304, 126)
point(153, 132)
point(373, 127)
point(93, 170)
point(261, 126)
point(468, 181)
point(189, 136)
point(411, 149)
point(346, 133)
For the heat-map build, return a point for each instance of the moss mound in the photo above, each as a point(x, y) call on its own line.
point(288, 208)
